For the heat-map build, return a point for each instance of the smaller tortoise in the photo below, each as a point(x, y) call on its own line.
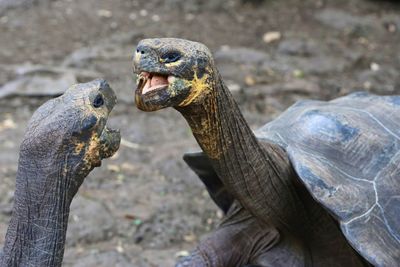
point(321, 176)
point(66, 138)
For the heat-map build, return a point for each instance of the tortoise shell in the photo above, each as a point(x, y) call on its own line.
point(347, 154)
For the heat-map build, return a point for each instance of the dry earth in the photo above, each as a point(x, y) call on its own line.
point(144, 207)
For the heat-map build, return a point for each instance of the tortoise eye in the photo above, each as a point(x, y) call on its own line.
point(171, 57)
point(98, 101)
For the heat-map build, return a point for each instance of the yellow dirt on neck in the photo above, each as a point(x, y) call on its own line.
point(198, 85)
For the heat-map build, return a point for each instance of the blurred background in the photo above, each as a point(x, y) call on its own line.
point(144, 207)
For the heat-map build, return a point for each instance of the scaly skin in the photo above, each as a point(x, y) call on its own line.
point(66, 138)
point(274, 222)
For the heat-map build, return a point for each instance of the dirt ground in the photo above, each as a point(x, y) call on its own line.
point(143, 207)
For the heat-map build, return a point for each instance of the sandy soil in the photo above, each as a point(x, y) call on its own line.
point(144, 207)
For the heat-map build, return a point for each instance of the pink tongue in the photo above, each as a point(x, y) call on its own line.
point(158, 80)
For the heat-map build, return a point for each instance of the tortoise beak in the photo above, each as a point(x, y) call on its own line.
point(108, 93)
point(110, 140)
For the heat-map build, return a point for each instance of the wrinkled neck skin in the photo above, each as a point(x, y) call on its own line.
point(259, 175)
point(36, 233)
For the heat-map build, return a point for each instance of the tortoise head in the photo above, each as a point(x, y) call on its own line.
point(171, 73)
point(70, 131)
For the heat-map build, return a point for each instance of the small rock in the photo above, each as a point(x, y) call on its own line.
point(4, 19)
point(75, 218)
point(120, 178)
point(137, 222)
point(126, 166)
point(233, 87)
point(119, 248)
point(298, 73)
point(182, 253)
point(190, 17)
point(270, 37)
point(143, 12)
point(155, 18)
point(132, 16)
point(390, 27)
point(298, 47)
point(219, 214)
point(363, 41)
point(113, 25)
point(104, 13)
point(367, 85)
point(374, 66)
point(249, 80)
point(319, 4)
point(69, 11)
point(8, 123)
point(190, 237)
point(113, 168)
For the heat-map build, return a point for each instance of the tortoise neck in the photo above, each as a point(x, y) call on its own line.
point(37, 230)
point(257, 174)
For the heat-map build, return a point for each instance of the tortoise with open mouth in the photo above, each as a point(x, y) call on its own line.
point(318, 186)
point(66, 138)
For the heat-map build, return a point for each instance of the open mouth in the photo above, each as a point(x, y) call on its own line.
point(153, 82)
point(156, 91)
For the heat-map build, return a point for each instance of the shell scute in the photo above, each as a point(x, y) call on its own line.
point(347, 154)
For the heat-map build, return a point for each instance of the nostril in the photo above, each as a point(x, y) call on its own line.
point(142, 49)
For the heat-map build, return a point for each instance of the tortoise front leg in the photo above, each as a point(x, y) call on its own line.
point(242, 241)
